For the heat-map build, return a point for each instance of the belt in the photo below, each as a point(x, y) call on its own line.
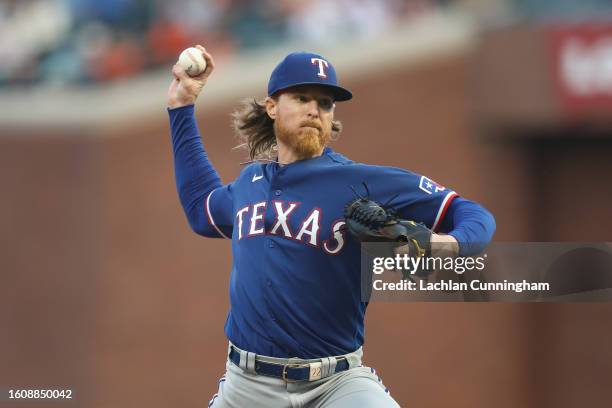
point(291, 372)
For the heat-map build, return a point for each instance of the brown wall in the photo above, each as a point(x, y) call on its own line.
point(107, 290)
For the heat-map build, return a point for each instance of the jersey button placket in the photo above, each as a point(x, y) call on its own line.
point(273, 193)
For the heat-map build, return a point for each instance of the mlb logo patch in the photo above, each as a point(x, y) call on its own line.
point(429, 186)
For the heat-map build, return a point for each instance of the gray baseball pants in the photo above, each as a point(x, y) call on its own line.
point(359, 386)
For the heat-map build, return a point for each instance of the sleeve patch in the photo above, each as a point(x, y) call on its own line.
point(429, 186)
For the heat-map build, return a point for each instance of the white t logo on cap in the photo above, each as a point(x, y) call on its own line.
point(322, 65)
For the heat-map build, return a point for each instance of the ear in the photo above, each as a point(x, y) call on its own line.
point(271, 107)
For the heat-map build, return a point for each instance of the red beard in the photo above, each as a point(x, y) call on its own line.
point(305, 142)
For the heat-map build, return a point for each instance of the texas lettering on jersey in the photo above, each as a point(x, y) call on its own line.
point(245, 209)
point(250, 223)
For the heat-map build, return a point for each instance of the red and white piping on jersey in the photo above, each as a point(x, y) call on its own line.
point(442, 211)
point(210, 218)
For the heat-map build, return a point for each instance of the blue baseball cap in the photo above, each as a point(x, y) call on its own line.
point(305, 68)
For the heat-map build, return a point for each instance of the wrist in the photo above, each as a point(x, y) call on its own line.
point(174, 104)
point(181, 110)
point(444, 246)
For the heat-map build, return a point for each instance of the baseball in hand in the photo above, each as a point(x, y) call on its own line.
point(192, 60)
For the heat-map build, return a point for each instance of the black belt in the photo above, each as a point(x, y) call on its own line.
point(287, 372)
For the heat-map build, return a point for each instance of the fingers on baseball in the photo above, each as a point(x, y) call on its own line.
point(210, 62)
point(179, 72)
point(173, 85)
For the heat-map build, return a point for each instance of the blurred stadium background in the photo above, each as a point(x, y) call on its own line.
point(105, 289)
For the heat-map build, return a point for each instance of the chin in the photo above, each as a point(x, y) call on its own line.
point(306, 142)
point(308, 149)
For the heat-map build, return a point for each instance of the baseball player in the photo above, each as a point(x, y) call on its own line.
point(296, 321)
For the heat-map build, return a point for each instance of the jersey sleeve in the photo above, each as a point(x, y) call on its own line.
point(471, 224)
point(208, 204)
point(414, 196)
point(218, 208)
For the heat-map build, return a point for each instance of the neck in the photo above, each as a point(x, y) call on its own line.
point(287, 156)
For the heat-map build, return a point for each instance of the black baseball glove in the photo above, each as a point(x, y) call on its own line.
point(369, 221)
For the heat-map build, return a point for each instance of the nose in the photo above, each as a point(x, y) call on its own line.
point(313, 109)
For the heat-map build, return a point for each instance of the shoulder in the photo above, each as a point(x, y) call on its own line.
point(250, 170)
point(395, 177)
point(339, 159)
point(373, 170)
point(368, 172)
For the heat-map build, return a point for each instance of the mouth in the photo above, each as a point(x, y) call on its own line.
point(311, 126)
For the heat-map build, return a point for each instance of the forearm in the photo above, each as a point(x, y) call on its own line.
point(195, 176)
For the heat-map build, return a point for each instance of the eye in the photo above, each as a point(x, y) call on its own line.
point(301, 98)
point(326, 103)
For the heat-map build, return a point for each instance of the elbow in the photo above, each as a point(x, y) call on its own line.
point(201, 225)
point(476, 232)
point(194, 213)
point(197, 226)
point(490, 225)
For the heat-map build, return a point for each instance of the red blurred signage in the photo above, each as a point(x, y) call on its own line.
point(583, 67)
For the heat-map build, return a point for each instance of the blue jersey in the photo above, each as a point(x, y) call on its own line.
point(295, 284)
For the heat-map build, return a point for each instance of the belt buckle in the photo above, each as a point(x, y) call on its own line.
point(294, 365)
